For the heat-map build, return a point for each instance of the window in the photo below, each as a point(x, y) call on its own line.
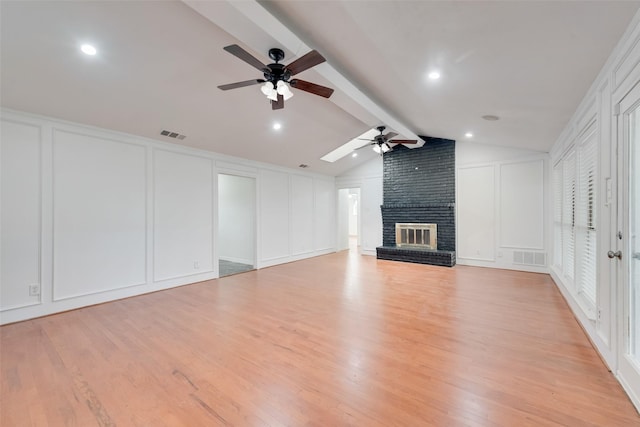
point(575, 188)
point(568, 215)
point(557, 214)
point(586, 217)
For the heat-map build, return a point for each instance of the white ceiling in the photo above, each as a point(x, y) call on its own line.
point(159, 65)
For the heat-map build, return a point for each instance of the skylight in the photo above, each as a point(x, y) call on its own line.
point(350, 146)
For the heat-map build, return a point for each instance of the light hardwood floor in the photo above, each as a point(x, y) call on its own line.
point(336, 340)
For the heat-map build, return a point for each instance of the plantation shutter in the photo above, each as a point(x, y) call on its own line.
point(557, 214)
point(586, 217)
point(568, 214)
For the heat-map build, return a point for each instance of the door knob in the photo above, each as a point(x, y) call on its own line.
point(616, 254)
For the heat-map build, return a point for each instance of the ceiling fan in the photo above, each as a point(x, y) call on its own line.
point(380, 143)
point(277, 77)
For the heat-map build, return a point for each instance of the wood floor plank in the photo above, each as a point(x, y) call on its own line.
point(335, 340)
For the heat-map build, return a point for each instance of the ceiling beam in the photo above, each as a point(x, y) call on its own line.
point(258, 29)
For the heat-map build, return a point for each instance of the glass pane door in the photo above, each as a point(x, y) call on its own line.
point(633, 263)
point(627, 252)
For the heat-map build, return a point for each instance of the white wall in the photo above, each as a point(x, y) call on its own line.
point(99, 217)
point(343, 219)
point(91, 215)
point(354, 210)
point(183, 212)
point(20, 191)
point(236, 218)
point(302, 203)
point(476, 213)
point(500, 205)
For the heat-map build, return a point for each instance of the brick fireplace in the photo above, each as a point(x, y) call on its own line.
point(419, 188)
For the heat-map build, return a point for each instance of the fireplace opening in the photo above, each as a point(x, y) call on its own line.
point(418, 235)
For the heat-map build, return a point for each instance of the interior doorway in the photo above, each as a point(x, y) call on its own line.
point(236, 224)
point(349, 219)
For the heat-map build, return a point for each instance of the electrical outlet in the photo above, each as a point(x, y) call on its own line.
point(34, 290)
point(196, 265)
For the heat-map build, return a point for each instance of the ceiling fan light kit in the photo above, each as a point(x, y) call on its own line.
point(277, 77)
point(283, 89)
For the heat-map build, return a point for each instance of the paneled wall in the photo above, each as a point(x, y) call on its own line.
point(90, 215)
point(99, 217)
point(477, 213)
point(21, 217)
point(501, 216)
point(182, 214)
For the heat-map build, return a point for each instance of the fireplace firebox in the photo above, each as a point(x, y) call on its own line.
point(417, 235)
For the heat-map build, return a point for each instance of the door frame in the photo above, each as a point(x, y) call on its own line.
point(256, 205)
point(627, 374)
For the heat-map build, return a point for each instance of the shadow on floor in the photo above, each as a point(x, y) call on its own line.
point(228, 268)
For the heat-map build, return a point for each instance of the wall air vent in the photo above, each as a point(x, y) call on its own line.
point(538, 259)
point(171, 134)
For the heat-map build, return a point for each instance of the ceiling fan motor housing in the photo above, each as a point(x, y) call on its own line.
point(276, 72)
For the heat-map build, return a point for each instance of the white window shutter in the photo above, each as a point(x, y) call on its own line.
point(557, 215)
point(586, 217)
point(568, 215)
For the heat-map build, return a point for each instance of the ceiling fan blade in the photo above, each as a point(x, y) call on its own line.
point(365, 139)
point(239, 52)
point(305, 62)
point(241, 84)
point(390, 135)
point(279, 104)
point(403, 141)
point(312, 88)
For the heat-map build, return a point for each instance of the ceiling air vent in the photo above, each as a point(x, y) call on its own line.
point(171, 134)
point(303, 166)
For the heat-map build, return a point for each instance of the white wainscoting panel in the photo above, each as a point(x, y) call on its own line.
point(183, 215)
point(476, 213)
point(371, 216)
point(301, 215)
point(522, 205)
point(99, 197)
point(274, 212)
point(20, 195)
point(324, 214)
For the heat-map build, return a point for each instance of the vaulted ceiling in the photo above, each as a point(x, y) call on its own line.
point(159, 64)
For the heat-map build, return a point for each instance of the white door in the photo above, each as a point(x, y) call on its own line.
point(627, 252)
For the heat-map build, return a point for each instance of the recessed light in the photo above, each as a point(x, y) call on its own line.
point(468, 135)
point(434, 75)
point(354, 155)
point(88, 49)
point(277, 126)
point(491, 118)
